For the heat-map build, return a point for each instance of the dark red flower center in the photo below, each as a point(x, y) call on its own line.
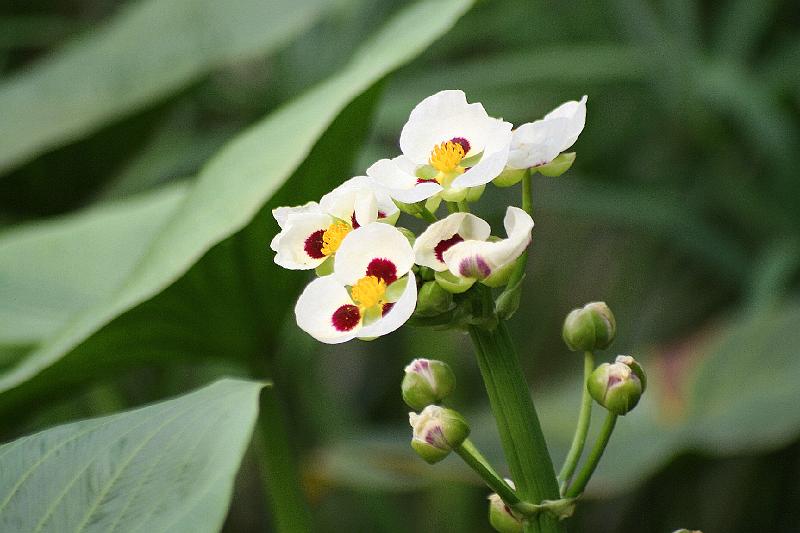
point(313, 245)
point(463, 142)
point(386, 308)
point(346, 317)
point(356, 225)
point(423, 180)
point(382, 269)
point(444, 245)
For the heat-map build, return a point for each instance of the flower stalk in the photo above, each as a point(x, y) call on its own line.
point(475, 460)
point(517, 422)
point(576, 489)
point(584, 418)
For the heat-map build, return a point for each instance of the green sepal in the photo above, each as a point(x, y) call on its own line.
point(500, 277)
point(474, 193)
point(452, 283)
point(557, 166)
point(408, 234)
point(426, 172)
point(509, 177)
point(325, 268)
point(396, 289)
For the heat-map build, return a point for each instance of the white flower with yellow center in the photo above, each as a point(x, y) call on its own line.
point(312, 233)
point(538, 143)
point(480, 258)
point(370, 293)
point(448, 146)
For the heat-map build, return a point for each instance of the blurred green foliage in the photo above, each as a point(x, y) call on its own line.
point(134, 261)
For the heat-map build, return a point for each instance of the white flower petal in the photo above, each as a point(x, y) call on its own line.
point(477, 259)
point(315, 309)
point(367, 243)
point(396, 178)
point(282, 213)
point(466, 225)
point(442, 117)
point(400, 312)
point(538, 143)
point(358, 197)
point(290, 243)
point(493, 160)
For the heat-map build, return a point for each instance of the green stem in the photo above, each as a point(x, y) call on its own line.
point(576, 489)
point(452, 207)
point(579, 440)
point(463, 207)
point(427, 215)
point(523, 442)
point(479, 464)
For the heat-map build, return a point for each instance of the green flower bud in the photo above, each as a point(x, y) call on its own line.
point(589, 328)
point(433, 300)
point(509, 177)
point(436, 432)
point(557, 166)
point(616, 387)
point(452, 283)
point(426, 382)
point(501, 517)
point(474, 193)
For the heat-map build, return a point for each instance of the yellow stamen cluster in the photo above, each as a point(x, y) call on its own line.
point(369, 291)
point(333, 236)
point(446, 156)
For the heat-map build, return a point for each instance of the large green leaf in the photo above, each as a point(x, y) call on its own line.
point(229, 192)
point(166, 467)
point(50, 271)
point(147, 51)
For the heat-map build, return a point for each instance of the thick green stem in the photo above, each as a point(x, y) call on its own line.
point(579, 440)
point(576, 489)
point(521, 435)
point(481, 465)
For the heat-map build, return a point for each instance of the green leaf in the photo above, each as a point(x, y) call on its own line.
point(165, 467)
point(144, 53)
point(53, 270)
point(228, 194)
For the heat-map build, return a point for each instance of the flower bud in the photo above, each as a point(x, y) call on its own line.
point(589, 328)
point(557, 166)
point(616, 387)
point(433, 300)
point(501, 517)
point(436, 432)
point(426, 382)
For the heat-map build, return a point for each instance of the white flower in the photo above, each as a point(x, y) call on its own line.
point(359, 202)
point(370, 293)
point(448, 145)
point(313, 232)
point(478, 259)
point(430, 247)
point(537, 143)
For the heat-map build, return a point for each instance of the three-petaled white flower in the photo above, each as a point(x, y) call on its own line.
point(313, 232)
point(370, 293)
point(459, 244)
point(538, 143)
point(448, 146)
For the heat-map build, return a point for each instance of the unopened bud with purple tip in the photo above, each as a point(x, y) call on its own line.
point(436, 432)
point(426, 382)
point(501, 517)
point(617, 386)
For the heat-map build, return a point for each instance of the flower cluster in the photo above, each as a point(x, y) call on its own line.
point(368, 268)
